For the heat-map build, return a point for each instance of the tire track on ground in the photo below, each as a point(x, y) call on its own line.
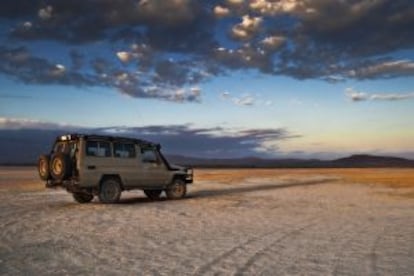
point(373, 254)
point(348, 243)
point(253, 258)
point(261, 239)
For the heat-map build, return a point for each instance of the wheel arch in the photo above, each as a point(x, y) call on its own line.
point(177, 176)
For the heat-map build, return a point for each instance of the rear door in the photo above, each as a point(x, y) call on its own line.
point(126, 162)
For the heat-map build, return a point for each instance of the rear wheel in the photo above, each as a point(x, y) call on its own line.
point(176, 190)
point(60, 166)
point(43, 167)
point(82, 197)
point(110, 191)
point(153, 194)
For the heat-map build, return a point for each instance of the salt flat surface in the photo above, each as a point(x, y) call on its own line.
point(304, 225)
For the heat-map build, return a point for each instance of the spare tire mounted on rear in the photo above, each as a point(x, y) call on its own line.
point(43, 167)
point(60, 166)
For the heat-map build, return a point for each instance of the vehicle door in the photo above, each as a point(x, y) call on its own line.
point(97, 161)
point(154, 171)
point(126, 162)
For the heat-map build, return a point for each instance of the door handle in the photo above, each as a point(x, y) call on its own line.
point(92, 167)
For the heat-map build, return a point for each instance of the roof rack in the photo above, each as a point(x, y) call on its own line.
point(74, 136)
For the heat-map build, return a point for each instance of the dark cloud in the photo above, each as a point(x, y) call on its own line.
point(176, 139)
point(77, 59)
point(208, 142)
point(20, 64)
point(337, 35)
point(175, 44)
point(362, 27)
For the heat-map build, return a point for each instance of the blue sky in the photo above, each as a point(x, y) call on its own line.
point(318, 74)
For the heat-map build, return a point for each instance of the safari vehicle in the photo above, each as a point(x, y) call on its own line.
point(89, 165)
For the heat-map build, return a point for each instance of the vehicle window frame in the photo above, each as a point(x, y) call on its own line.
point(157, 157)
point(108, 153)
point(123, 150)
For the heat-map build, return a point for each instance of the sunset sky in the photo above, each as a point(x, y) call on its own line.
point(287, 78)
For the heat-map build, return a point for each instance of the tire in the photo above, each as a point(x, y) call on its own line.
point(153, 194)
point(43, 167)
point(82, 197)
point(176, 190)
point(60, 166)
point(110, 190)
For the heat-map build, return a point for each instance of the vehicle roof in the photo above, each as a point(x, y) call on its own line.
point(74, 136)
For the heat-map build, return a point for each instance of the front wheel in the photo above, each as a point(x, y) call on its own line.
point(82, 197)
point(176, 190)
point(110, 191)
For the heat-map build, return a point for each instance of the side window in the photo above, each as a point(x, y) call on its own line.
point(124, 150)
point(149, 156)
point(98, 148)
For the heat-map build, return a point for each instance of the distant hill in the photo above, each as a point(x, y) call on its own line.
point(354, 161)
point(364, 160)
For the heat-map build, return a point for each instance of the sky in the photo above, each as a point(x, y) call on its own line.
point(267, 78)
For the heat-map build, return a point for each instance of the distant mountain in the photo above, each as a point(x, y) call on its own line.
point(364, 160)
point(354, 161)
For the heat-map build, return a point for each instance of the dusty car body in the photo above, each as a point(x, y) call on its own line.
point(104, 166)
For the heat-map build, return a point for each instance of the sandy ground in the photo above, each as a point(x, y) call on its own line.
point(286, 222)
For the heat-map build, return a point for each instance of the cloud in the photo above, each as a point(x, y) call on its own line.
point(244, 57)
point(245, 100)
point(45, 13)
point(182, 43)
point(247, 28)
point(273, 42)
point(22, 123)
point(357, 96)
point(225, 95)
point(235, 2)
point(19, 63)
point(208, 142)
point(165, 84)
point(276, 7)
point(220, 11)
point(385, 69)
point(187, 140)
point(124, 56)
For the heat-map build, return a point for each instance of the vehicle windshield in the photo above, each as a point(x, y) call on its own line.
point(153, 155)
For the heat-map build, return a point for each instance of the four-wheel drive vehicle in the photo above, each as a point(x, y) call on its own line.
point(89, 165)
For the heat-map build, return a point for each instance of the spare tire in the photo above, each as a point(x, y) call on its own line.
point(43, 167)
point(60, 166)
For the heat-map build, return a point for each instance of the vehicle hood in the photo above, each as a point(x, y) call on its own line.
point(177, 168)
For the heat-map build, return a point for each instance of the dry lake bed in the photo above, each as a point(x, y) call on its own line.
point(234, 222)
